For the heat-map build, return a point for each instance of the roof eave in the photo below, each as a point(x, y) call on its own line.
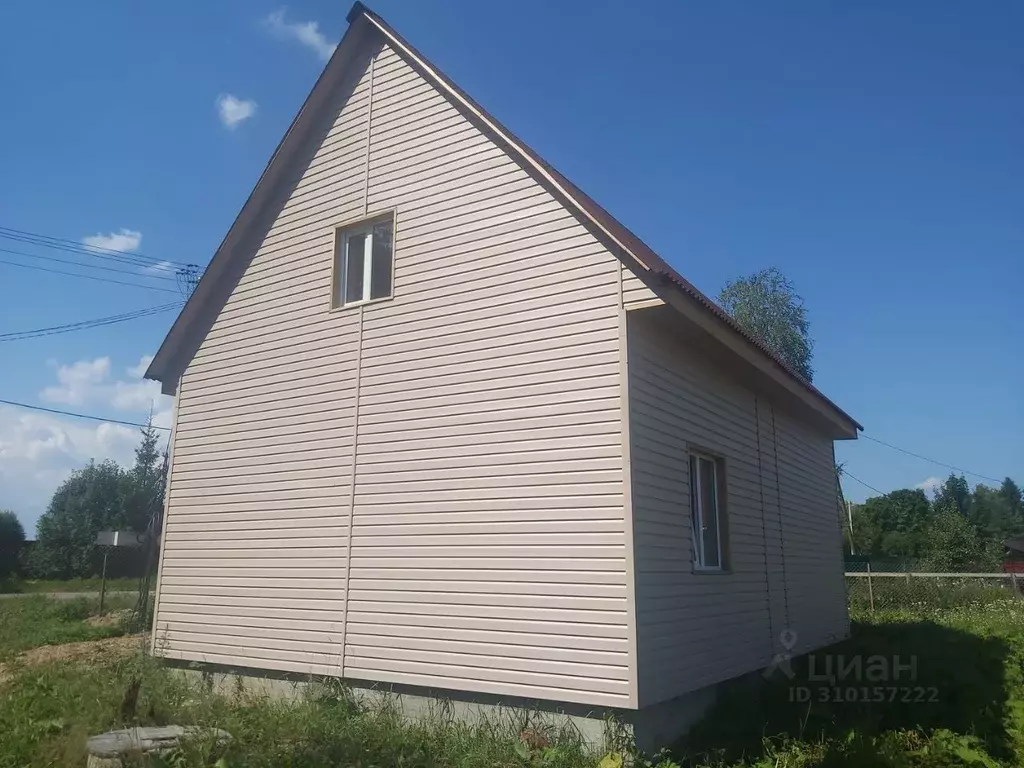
point(842, 425)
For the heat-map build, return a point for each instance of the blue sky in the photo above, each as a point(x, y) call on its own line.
point(873, 151)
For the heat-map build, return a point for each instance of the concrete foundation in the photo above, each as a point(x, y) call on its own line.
point(605, 729)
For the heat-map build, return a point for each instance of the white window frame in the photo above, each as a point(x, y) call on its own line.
point(697, 515)
point(342, 236)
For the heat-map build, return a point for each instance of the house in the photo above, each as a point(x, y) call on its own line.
point(443, 423)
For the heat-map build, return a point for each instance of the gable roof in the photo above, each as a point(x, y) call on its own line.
point(648, 265)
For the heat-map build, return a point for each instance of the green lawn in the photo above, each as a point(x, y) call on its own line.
point(34, 620)
point(961, 705)
point(70, 585)
point(972, 656)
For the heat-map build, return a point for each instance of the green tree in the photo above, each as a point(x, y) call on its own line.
point(767, 306)
point(1013, 502)
point(955, 493)
point(893, 525)
point(12, 537)
point(990, 513)
point(89, 501)
point(144, 483)
point(99, 497)
point(953, 544)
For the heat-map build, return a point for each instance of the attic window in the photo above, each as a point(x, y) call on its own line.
point(363, 262)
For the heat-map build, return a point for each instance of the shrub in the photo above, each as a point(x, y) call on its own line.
point(12, 539)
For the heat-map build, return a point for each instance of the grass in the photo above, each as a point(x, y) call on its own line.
point(51, 709)
point(922, 593)
point(971, 653)
point(35, 620)
point(17, 586)
point(971, 656)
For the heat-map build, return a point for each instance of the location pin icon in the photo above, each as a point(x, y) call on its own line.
point(788, 638)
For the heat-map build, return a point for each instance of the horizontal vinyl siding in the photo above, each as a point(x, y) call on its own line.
point(813, 540)
point(634, 292)
point(253, 568)
point(488, 542)
point(695, 629)
point(692, 629)
point(488, 535)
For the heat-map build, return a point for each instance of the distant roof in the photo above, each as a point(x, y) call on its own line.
point(640, 257)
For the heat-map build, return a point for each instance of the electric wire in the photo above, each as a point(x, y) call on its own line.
point(86, 324)
point(116, 270)
point(81, 415)
point(86, 277)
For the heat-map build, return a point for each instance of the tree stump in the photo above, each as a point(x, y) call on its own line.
point(108, 750)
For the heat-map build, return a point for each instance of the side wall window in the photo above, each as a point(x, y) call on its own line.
point(363, 262)
point(707, 505)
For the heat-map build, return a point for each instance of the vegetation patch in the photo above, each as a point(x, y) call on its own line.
point(959, 701)
point(34, 620)
point(971, 655)
point(43, 586)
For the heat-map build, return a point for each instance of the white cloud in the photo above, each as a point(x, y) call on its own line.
point(90, 382)
point(233, 110)
point(39, 450)
point(78, 381)
point(124, 240)
point(138, 371)
point(930, 485)
point(160, 268)
point(306, 32)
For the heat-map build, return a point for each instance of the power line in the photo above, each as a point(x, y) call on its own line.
point(122, 257)
point(81, 415)
point(86, 277)
point(933, 461)
point(85, 324)
point(122, 271)
point(61, 243)
point(871, 487)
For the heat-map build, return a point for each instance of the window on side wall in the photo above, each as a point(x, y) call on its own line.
point(363, 261)
point(707, 505)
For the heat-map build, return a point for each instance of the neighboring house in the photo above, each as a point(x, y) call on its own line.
point(443, 422)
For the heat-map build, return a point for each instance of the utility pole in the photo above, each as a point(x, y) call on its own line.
point(188, 278)
point(849, 520)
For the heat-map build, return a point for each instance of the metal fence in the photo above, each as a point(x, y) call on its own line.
point(896, 589)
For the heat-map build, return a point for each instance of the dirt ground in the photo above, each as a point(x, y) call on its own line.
point(104, 649)
point(112, 619)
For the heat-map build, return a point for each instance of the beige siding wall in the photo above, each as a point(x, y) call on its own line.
point(467, 433)
point(635, 292)
point(810, 514)
point(694, 629)
point(254, 568)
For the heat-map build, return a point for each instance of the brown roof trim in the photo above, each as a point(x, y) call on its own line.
point(639, 252)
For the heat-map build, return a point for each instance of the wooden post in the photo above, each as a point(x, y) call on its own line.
point(103, 579)
point(1013, 580)
point(871, 591)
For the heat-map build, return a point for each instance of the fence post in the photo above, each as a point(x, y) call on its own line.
point(871, 591)
point(1013, 580)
